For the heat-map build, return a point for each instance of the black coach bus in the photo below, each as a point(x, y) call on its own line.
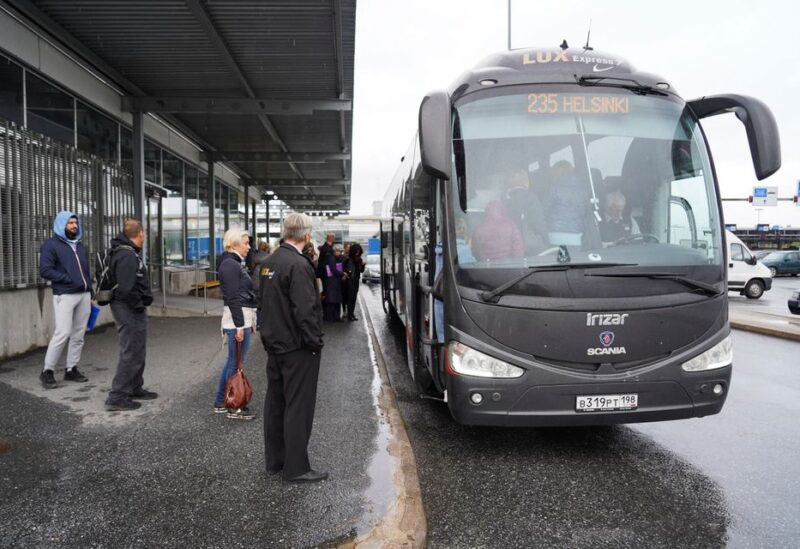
point(553, 243)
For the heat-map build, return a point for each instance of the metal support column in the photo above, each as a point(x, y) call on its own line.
point(212, 206)
point(247, 208)
point(266, 202)
point(138, 165)
point(252, 206)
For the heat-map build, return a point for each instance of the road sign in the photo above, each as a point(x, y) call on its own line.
point(765, 196)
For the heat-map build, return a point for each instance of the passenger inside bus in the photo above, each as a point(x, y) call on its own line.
point(497, 237)
point(566, 206)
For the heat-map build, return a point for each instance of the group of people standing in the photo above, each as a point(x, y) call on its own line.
point(64, 261)
point(339, 268)
point(283, 295)
point(279, 294)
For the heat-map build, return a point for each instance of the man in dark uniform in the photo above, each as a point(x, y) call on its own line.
point(291, 331)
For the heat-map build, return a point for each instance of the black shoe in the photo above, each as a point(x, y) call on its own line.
point(352, 318)
point(144, 394)
point(75, 375)
point(311, 476)
point(123, 406)
point(274, 470)
point(48, 379)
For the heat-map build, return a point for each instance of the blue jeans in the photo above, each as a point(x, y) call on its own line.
point(230, 364)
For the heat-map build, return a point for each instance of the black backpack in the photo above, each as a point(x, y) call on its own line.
point(106, 283)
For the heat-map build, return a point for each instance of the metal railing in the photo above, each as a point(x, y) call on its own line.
point(168, 270)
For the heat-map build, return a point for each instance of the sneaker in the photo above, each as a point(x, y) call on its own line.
point(75, 375)
point(220, 409)
point(123, 406)
point(241, 414)
point(48, 379)
point(144, 394)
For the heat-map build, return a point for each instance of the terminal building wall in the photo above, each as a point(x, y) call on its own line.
point(65, 144)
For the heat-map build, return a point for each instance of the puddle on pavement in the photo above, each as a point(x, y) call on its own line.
point(382, 466)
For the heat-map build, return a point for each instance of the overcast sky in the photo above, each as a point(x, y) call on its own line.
point(405, 48)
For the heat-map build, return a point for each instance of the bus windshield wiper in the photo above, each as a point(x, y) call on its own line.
point(494, 294)
point(708, 289)
point(617, 82)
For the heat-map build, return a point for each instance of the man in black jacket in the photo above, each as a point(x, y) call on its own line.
point(132, 296)
point(292, 336)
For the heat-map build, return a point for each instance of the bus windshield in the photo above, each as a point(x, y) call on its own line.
point(571, 174)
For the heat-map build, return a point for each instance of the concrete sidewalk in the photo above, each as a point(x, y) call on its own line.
point(174, 473)
point(785, 326)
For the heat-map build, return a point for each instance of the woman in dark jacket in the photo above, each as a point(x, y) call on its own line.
point(239, 314)
point(353, 267)
point(332, 285)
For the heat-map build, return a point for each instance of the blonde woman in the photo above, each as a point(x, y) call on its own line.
point(239, 315)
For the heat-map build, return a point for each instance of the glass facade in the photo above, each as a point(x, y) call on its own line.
point(173, 208)
point(50, 111)
point(177, 202)
point(152, 162)
point(11, 103)
point(126, 148)
point(97, 134)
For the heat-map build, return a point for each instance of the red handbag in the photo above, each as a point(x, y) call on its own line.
point(238, 391)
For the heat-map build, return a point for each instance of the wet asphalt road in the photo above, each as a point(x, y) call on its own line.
point(726, 480)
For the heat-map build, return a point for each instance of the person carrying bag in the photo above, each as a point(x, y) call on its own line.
point(238, 322)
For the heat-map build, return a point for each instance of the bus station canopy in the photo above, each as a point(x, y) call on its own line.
point(264, 86)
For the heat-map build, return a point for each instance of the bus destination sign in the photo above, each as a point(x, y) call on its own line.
point(568, 103)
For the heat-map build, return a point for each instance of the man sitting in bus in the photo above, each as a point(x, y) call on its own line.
point(616, 224)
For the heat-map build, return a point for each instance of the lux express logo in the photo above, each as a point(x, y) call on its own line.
point(541, 57)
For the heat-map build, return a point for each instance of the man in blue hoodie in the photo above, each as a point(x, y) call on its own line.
point(64, 262)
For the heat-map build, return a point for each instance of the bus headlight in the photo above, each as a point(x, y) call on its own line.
point(718, 356)
point(469, 362)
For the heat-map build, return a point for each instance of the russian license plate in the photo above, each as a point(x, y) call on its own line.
point(606, 403)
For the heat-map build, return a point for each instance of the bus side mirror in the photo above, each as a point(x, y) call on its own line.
point(434, 135)
point(762, 130)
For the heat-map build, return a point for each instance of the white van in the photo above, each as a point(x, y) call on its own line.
point(746, 274)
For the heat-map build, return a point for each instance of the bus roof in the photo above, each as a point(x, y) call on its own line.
point(549, 65)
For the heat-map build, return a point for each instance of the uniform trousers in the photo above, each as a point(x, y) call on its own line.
point(289, 410)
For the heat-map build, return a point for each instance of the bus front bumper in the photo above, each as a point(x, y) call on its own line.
point(524, 403)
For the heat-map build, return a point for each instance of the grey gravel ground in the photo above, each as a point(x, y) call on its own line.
point(176, 474)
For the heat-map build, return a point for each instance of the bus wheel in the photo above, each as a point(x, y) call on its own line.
point(754, 289)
